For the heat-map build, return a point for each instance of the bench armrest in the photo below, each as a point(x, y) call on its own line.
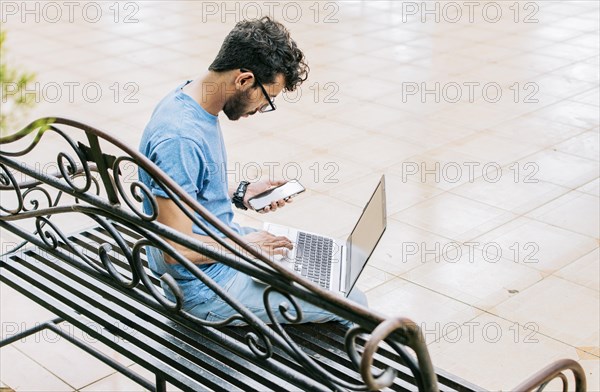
point(553, 371)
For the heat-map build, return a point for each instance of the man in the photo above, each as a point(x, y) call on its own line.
point(257, 60)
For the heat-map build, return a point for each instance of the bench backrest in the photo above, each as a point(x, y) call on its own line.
point(95, 176)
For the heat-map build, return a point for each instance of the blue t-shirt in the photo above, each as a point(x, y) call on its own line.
point(186, 143)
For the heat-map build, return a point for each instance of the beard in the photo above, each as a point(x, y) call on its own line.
point(236, 107)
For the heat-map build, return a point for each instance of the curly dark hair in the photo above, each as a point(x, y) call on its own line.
point(265, 47)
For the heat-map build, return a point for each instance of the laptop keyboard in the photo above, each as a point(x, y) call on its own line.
point(313, 258)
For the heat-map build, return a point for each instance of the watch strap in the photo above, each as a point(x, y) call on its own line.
point(239, 194)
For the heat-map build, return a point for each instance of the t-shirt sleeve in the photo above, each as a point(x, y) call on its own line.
point(181, 159)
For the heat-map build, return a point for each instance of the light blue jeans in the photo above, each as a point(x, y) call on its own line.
point(250, 293)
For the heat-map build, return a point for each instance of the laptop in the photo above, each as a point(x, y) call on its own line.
point(331, 263)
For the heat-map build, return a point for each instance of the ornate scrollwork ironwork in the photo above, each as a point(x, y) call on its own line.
point(252, 338)
point(299, 355)
point(411, 336)
point(165, 278)
point(8, 180)
point(260, 340)
point(35, 203)
point(138, 190)
point(40, 125)
point(52, 240)
point(105, 248)
point(82, 174)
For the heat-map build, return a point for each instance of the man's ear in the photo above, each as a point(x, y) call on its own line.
point(244, 80)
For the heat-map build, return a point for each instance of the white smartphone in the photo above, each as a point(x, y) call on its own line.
point(285, 191)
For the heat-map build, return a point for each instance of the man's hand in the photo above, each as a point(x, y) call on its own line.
point(261, 186)
point(269, 243)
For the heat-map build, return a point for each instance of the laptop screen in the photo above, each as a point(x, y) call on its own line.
point(366, 234)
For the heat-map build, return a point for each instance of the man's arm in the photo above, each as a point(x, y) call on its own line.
point(171, 215)
point(231, 188)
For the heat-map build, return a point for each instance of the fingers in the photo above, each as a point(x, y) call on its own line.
point(268, 239)
point(270, 208)
point(276, 245)
point(275, 205)
point(278, 182)
point(279, 251)
point(282, 242)
point(269, 243)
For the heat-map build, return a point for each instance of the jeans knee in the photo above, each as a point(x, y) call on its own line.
point(359, 297)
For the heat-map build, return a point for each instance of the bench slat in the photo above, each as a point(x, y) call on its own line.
point(332, 336)
point(388, 357)
point(338, 364)
point(56, 305)
point(208, 348)
point(157, 344)
point(126, 317)
point(134, 305)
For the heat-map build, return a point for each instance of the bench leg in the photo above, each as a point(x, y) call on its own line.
point(53, 326)
point(161, 384)
point(30, 331)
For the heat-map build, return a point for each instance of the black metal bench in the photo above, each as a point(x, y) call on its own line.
point(98, 280)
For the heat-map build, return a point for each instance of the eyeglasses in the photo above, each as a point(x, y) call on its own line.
point(268, 107)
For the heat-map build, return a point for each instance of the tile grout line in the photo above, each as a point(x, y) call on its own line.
point(490, 313)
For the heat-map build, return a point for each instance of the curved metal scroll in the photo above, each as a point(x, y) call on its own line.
point(541, 379)
point(122, 205)
point(411, 336)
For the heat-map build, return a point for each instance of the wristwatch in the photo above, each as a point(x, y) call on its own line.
point(238, 195)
